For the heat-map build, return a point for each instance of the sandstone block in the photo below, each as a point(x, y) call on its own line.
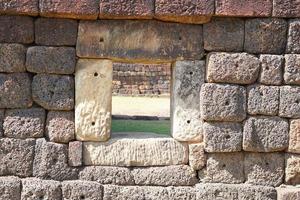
point(20, 7)
point(51, 161)
point(184, 11)
point(24, 123)
point(271, 69)
point(188, 77)
point(60, 126)
point(263, 100)
point(222, 136)
point(1, 122)
point(292, 69)
point(197, 157)
point(82, 190)
point(293, 43)
point(16, 157)
point(15, 90)
point(52, 60)
point(292, 169)
point(93, 104)
point(16, 29)
point(288, 193)
point(224, 34)
point(283, 8)
point(265, 134)
point(33, 188)
point(10, 188)
point(264, 168)
point(239, 68)
point(75, 154)
point(136, 150)
point(143, 41)
point(55, 32)
point(222, 102)
point(289, 104)
point(107, 175)
point(294, 136)
point(53, 92)
point(265, 35)
point(12, 57)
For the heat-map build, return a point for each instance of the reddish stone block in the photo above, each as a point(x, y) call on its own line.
point(26, 7)
point(286, 8)
point(83, 9)
point(243, 8)
point(75, 154)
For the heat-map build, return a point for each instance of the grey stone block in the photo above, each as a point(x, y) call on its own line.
point(82, 190)
point(10, 188)
point(222, 102)
point(24, 123)
point(289, 104)
point(222, 136)
point(292, 69)
point(271, 72)
point(75, 155)
point(288, 192)
point(1, 122)
point(292, 169)
point(265, 134)
point(12, 58)
point(293, 41)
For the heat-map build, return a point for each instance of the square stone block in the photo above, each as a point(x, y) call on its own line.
point(82, 190)
point(20, 7)
point(292, 69)
point(293, 43)
point(289, 103)
point(271, 72)
point(10, 188)
point(292, 169)
point(294, 136)
point(12, 58)
point(284, 8)
point(287, 192)
point(197, 156)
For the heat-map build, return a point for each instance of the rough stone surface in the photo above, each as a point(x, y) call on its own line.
point(292, 169)
point(52, 60)
point(197, 156)
point(16, 157)
point(222, 136)
point(55, 32)
point(284, 8)
point(292, 69)
point(265, 35)
point(83, 9)
point(60, 126)
point(24, 123)
point(265, 134)
point(289, 104)
point(294, 136)
point(222, 102)
point(107, 175)
point(223, 168)
point(82, 190)
point(271, 69)
point(53, 92)
point(293, 43)
point(144, 40)
point(15, 90)
point(174, 175)
point(288, 193)
point(188, 77)
point(264, 168)
point(51, 161)
point(1, 122)
point(126, 9)
point(263, 100)
point(244, 8)
point(75, 154)
point(33, 188)
point(10, 188)
point(184, 11)
point(16, 29)
point(239, 68)
point(93, 104)
point(20, 7)
point(224, 34)
point(12, 57)
point(129, 149)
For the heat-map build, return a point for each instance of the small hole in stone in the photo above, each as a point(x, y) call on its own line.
point(101, 39)
point(180, 38)
point(93, 123)
point(226, 103)
point(95, 74)
point(191, 73)
point(82, 197)
point(227, 136)
point(267, 68)
point(188, 121)
point(223, 166)
point(41, 197)
point(267, 164)
point(297, 101)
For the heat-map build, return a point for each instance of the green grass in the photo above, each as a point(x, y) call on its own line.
point(159, 127)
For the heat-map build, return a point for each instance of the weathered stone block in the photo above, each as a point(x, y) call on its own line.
point(75, 154)
point(265, 134)
point(188, 77)
point(222, 102)
point(263, 100)
point(1, 122)
point(52, 60)
point(294, 136)
point(15, 90)
point(224, 34)
point(222, 137)
point(283, 8)
point(143, 41)
point(107, 175)
point(24, 123)
point(93, 81)
point(82, 190)
point(288, 193)
point(292, 169)
point(33, 188)
point(10, 188)
point(20, 7)
point(16, 29)
point(223, 168)
point(83, 9)
point(12, 58)
point(16, 157)
point(53, 92)
point(60, 126)
point(293, 43)
point(184, 11)
point(136, 150)
point(289, 104)
point(197, 157)
point(56, 32)
point(51, 161)
point(271, 69)
point(244, 8)
point(239, 68)
point(264, 168)
point(265, 35)
point(292, 69)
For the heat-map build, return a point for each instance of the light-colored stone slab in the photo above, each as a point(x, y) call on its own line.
point(93, 89)
point(294, 136)
point(287, 192)
point(197, 156)
point(136, 149)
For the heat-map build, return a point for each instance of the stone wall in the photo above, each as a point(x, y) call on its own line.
point(235, 93)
